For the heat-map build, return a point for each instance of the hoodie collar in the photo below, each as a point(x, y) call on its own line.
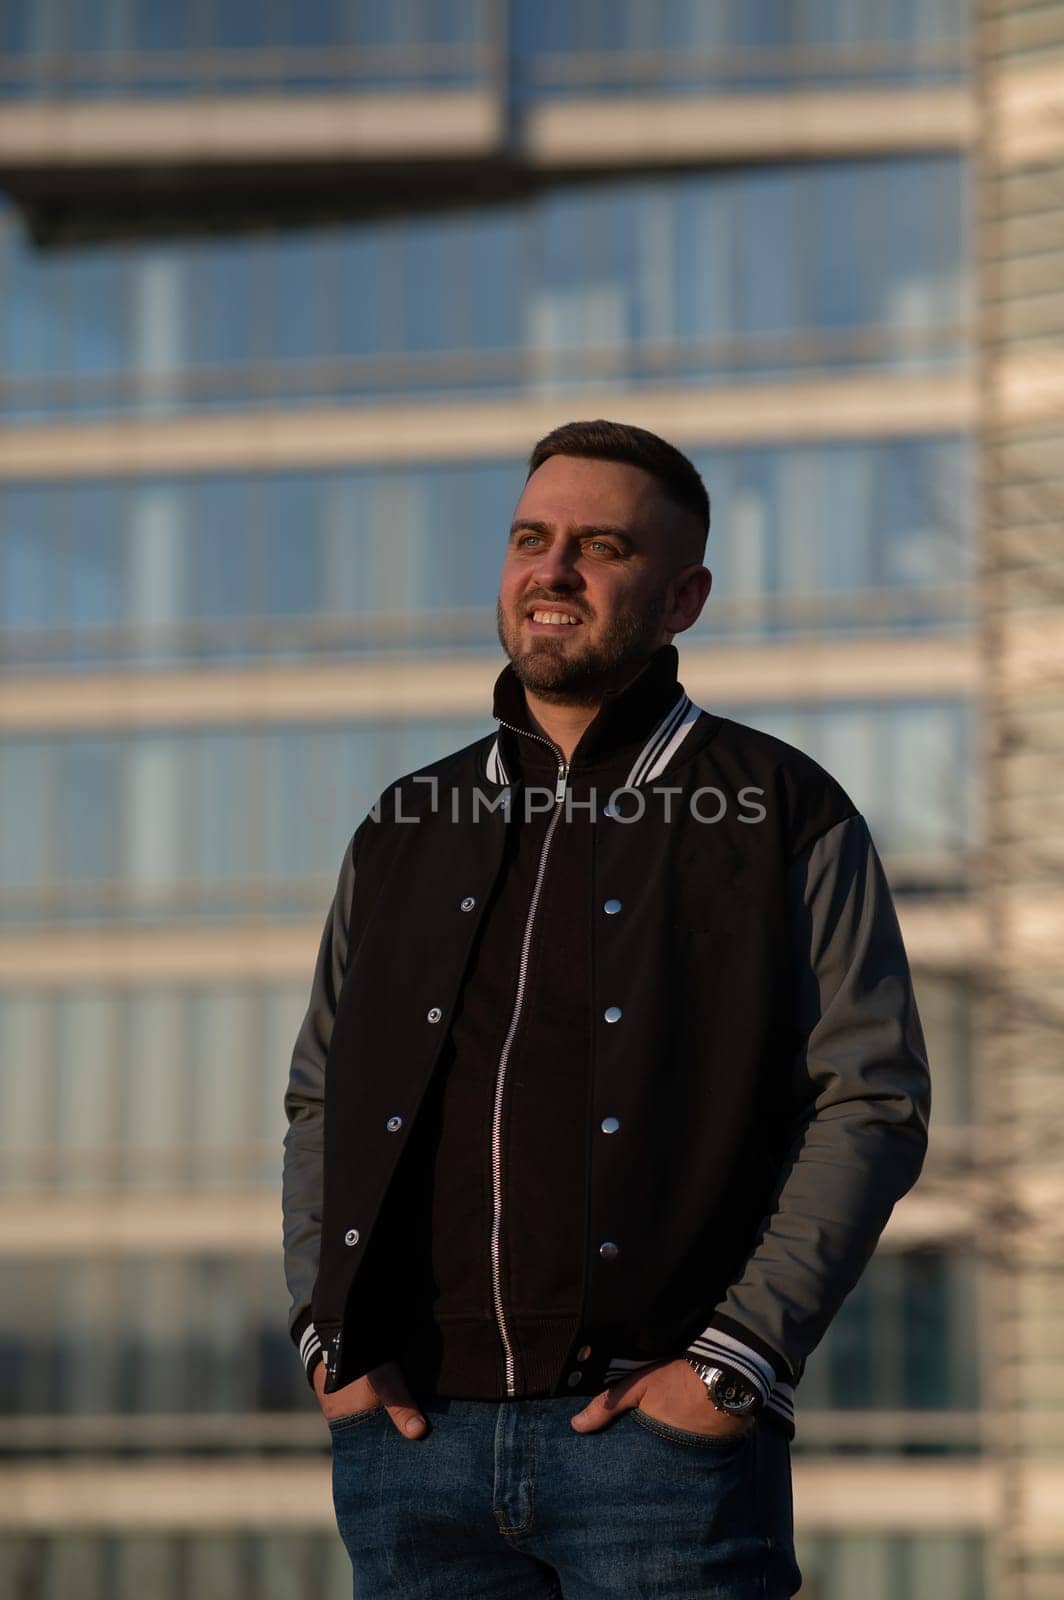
point(645, 712)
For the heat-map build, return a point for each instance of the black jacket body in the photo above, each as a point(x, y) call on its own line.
point(589, 1090)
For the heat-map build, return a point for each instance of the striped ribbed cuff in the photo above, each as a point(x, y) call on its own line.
point(724, 1348)
point(306, 1339)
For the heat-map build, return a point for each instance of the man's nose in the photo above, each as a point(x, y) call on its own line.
point(557, 568)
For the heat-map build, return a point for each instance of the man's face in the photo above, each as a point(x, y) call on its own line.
point(587, 588)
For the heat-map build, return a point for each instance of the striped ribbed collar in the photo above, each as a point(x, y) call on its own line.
point(639, 726)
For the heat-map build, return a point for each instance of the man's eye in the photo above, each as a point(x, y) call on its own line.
point(526, 538)
point(600, 544)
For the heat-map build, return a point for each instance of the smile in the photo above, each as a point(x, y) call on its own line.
point(555, 619)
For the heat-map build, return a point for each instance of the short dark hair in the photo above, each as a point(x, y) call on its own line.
point(622, 441)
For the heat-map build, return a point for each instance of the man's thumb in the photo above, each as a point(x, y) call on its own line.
point(408, 1420)
point(595, 1414)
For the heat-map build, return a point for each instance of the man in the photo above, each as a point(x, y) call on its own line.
point(610, 1078)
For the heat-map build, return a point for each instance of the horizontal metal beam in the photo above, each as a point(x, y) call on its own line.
point(801, 672)
point(142, 135)
point(882, 1495)
point(716, 127)
point(248, 1223)
point(875, 405)
point(226, 130)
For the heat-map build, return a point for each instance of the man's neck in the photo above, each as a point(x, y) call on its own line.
point(563, 725)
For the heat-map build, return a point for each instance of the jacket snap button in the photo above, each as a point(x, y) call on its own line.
point(393, 1124)
point(612, 907)
point(468, 903)
point(351, 1236)
point(612, 1013)
point(609, 1251)
point(610, 1124)
point(583, 1352)
point(573, 1379)
point(435, 1014)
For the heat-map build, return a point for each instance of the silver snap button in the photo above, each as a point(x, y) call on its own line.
point(609, 1251)
point(434, 1015)
point(573, 1379)
point(612, 1013)
point(468, 903)
point(393, 1124)
point(612, 907)
point(583, 1352)
point(610, 1124)
point(351, 1236)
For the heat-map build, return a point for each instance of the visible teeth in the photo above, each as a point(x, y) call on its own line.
point(553, 616)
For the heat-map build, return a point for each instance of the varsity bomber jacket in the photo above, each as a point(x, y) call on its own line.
point(604, 1062)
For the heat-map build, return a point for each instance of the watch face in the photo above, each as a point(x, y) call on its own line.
point(732, 1393)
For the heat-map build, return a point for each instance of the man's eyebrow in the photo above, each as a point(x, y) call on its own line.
point(583, 530)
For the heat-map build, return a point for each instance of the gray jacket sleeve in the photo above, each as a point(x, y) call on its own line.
point(304, 1105)
point(861, 1091)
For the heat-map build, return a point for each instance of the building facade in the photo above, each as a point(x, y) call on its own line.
point(287, 292)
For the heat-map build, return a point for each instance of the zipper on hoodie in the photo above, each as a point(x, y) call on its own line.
point(504, 1058)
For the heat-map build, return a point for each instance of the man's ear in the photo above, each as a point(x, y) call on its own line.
point(690, 591)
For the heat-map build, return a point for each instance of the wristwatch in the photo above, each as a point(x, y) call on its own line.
point(728, 1390)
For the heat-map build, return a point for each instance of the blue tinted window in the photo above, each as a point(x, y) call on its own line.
point(162, 27)
point(224, 563)
point(291, 547)
point(700, 276)
point(770, 278)
point(226, 293)
point(35, 311)
point(95, 564)
point(356, 265)
point(839, 235)
point(312, 22)
point(96, 25)
point(31, 557)
point(216, 823)
point(295, 266)
point(89, 809)
point(497, 259)
point(224, 822)
point(907, 767)
point(228, 785)
point(806, 538)
point(98, 296)
point(27, 800)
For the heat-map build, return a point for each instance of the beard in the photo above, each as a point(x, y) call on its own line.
point(560, 675)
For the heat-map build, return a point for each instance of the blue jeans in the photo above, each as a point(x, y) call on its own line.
point(504, 1500)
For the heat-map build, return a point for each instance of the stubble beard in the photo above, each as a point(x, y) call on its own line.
point(582, 678)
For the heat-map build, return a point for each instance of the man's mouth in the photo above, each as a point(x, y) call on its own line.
point(547, 617)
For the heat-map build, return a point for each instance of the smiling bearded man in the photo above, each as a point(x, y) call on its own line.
point(603, 1097)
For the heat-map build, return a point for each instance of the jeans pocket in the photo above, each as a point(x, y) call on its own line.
point(351, 1419)
point(718, 1444)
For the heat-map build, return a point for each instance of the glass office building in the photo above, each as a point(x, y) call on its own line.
point(287, 292)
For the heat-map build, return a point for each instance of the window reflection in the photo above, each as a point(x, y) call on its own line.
point(125, 1565)
point(106, 1089)
point(622, 278)
point(909, 769)
point(835, 537)
point(255, 819)
point(200, 1334)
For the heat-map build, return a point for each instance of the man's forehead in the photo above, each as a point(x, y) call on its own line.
point(572, 489)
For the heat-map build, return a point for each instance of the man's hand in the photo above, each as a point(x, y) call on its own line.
point(382, 1386)
point(671, 1392)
